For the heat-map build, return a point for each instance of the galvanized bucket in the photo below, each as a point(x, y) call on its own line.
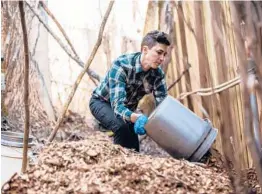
point(179, 131)
point(12, 153)
point(14, 139)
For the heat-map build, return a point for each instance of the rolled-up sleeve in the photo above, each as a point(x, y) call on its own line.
point(117, 85)
point(160, 89)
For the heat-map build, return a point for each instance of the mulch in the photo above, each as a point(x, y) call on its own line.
point(86, 161)
point(95, 165)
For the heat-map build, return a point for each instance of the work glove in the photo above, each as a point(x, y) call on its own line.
point(140, 124)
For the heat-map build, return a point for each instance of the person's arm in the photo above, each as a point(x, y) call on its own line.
point(117, 87)
point(160, 88)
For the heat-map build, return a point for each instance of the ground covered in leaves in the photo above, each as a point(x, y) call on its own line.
point(95, 165)
point(86, 161)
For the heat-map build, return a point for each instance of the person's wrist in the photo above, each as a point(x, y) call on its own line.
point(134, 117)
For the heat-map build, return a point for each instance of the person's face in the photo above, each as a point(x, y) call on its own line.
point(156, 55)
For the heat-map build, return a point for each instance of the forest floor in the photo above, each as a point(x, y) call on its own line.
point(84, 160)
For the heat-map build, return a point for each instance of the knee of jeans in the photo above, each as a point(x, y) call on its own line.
point(91, 102)
point(91, 105)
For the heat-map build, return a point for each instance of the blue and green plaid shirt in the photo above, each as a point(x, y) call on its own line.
point(126, 83)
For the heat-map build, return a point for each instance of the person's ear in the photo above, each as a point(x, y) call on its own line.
point(145, 49)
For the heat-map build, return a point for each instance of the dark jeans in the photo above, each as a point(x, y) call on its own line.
point(124, 134)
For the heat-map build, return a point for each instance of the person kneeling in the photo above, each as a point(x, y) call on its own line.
point(131, 77)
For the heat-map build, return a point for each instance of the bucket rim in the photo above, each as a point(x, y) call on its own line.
point(6, 135)
point(204, 146)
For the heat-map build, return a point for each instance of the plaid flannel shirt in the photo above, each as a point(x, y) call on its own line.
point(126, 83)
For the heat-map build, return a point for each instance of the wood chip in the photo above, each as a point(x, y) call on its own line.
point(95, 165)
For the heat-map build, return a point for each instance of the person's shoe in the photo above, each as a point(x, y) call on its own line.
point(110, 133)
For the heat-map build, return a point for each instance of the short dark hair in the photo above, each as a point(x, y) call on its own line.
point(153, 37)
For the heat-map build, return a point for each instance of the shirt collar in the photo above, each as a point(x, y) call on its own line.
point(138, 64)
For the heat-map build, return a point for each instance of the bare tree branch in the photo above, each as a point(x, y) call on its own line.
point(26, 87)
point(62, 31)
point(80, 76)
point(179, 78)
point(58, 25)
point(90, 72)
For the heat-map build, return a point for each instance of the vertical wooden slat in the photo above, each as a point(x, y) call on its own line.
point(171, 74)
point(214, 66)
point(202, 55)
point(258, 9)
point(151, 21)
point(225, 113)
point(235, 93)
point(185, 84)
point(176, 57)
point(166, 24)
point(161, 13)
point(192, 53)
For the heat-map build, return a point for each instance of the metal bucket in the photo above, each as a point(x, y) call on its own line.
point(14, 139)
point(12, 153)
point(179, 131)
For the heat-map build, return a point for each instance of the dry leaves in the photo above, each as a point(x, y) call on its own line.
point(252, 181)
point(96, 165)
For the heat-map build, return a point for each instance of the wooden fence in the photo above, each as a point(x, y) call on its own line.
point(205, 36)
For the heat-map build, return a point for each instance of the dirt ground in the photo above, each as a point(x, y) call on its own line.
point(84, 160)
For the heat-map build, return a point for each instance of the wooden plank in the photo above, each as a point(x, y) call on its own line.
point(172, 75)
point(151, 21)
point(204, 71)
point(213, 65)
point(192, 53)
point(235, 93)
point(166, 24)
point(185, 85)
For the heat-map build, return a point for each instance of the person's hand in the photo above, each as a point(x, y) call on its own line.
point(140, 124)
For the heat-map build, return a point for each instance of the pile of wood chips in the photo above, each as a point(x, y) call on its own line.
point(95, 165)
point(252, 181)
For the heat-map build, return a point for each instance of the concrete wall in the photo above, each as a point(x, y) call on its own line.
point(81, 20)
point(38, 43)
